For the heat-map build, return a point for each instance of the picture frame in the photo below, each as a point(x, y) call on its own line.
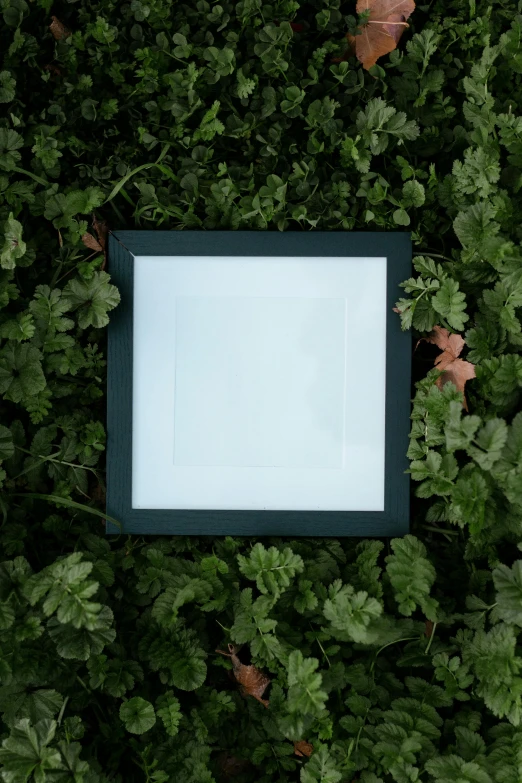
point(285, 314)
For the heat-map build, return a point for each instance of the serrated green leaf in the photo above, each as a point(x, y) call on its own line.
point(21, 374)
point(508, 584)
point(321, 768)
point(25, 752)
point(13, 246)
point(93, 299)
point(305, 694)
point(489, 442)
point(450, 302)
point(168, 709)
point(271, 569)
point(351, 612)
point(411, 576)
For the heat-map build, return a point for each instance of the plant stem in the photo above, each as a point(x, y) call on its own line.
point(426, 651)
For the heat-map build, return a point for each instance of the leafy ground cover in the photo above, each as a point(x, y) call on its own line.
point(191, 660)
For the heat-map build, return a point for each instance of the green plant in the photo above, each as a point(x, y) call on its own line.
point(397, 661)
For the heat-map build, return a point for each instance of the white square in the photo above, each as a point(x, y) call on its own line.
point(259, 383)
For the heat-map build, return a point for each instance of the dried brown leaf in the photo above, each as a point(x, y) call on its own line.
point(92, 243)
point(303, 748)
point(58, 29)
point(53, 70)
point(451, 344)
point(99, 245)
point(252, 681)
point(456, 370)
point(102, 229)
point(98, 495)
point(381, 34)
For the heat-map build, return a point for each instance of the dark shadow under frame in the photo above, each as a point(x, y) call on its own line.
point(393, 521)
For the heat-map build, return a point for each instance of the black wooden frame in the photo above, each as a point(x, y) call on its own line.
point(393, 521)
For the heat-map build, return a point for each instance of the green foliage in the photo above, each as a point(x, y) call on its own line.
point(399, 661)
point(411, 576)
point(508, 584)
point(351, 612)
point(321, 768)
point(92, 299)
point(138, 715)
point(271, 569)
point(13, 247)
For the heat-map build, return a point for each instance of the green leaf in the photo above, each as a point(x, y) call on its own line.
point(6, 443)
point(491, 656)
point(479, 172)
point(166, 606)
point(378, 121)
point(401, 217)
point(351, 612)
point(468, 499)
point(7, 87)
point(19, 328)
point(17, 702)
point(411, 576)
point(25, 752)
point(81, 643)
point(450, 302)
point(222, 61)
point(72, 766)
point(88, 109)
point(168, 710)
point(271, 569)
point(459, 430)
point(505, 757)
point(306, 600)
point(138, 715)
point(474, 225)
point(305, 695)
point(453, 769)
point(21, 374)
point(251, 618)
point(321, 768)
point(188, 669)
point(10, 143)
point(190, 183)
point(489, 442)
point(48, 308)
point(508, 469)
point(508, 584)
point(93, 298)
point(7, 616)
point(57, 581)
point(210, 126)
point(413, 194)
point(13, 246)
point(436, 472)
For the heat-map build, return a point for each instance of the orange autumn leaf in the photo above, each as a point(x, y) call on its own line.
point(456, 370)
point(58, 29)
point(381, 34)
point(303, 748)
point(252, 681)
